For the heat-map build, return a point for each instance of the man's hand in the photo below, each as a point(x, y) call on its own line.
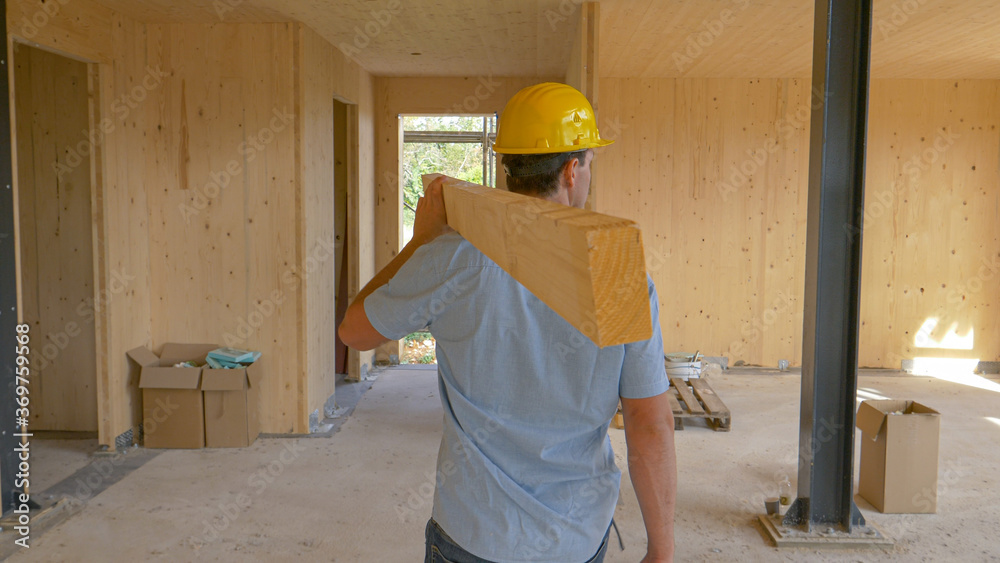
point(431, 218)
point(430, 222)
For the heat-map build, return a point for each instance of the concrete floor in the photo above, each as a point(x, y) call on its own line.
point(59, 455)
point(363, 494)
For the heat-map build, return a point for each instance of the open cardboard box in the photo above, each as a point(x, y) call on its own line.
point(173, 411)
point(899, 456)
point(232, 399)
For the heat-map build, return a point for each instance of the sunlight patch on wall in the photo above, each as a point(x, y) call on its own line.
point(951, 339)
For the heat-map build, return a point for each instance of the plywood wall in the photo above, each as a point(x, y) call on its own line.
point(221, 179)
point(931, 271)
point(206, 164)
point(326, 75)
point(715, 172)
point(114, 45)
point(57, 264)
point(361, 210)
point(722, 257)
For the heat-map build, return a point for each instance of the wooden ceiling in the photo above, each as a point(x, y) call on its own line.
point(773, 38)
point(452, 37)
point(639, 38)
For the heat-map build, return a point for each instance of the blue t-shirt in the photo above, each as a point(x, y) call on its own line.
point(525, 469)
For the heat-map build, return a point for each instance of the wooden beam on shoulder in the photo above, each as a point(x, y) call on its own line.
point(588, 267)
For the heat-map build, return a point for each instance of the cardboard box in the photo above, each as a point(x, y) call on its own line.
point(173, 411)
point(899, 456)
point(232, 398)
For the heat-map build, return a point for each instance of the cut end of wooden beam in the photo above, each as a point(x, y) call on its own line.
point(588, 267)
point(621, 294)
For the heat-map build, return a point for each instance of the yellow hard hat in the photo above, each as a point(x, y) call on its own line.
point(547, 118)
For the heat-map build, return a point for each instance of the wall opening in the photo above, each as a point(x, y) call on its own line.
point(456, 145)
point(341, 174)
point(54, 190)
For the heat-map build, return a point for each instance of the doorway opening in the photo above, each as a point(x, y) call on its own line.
point(456, 145)
point(57, 257)
point(52, 109)
point(341, 175)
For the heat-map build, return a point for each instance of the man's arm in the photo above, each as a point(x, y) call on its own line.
point(652, 464)
point(430, 221)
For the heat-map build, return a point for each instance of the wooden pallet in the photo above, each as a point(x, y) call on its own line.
point(697, 399)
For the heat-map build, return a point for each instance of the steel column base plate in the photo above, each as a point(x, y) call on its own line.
point(794, 536)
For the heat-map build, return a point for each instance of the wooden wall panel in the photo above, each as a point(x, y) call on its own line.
point(931, 272)
point(716, 172)
point(361, 205)
point(121, 223)
point(740, 38)
point(57, 266)
point(326, 76)
point(678, 143)
point(120, 301)
point(223, 194)
point(316, 113)
point(79, 29)
point(185, 107)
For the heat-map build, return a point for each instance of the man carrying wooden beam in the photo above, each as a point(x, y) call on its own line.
point(526, 471)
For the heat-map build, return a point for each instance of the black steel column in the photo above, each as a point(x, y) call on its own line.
point(8, 291)
point(841, 45)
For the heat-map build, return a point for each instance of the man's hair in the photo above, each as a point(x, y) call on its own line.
point(537, 174)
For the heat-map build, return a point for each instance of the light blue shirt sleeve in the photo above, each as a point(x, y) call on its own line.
point(643, 371)
point(415, 296)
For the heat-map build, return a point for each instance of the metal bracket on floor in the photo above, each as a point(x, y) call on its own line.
point(782, 534)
